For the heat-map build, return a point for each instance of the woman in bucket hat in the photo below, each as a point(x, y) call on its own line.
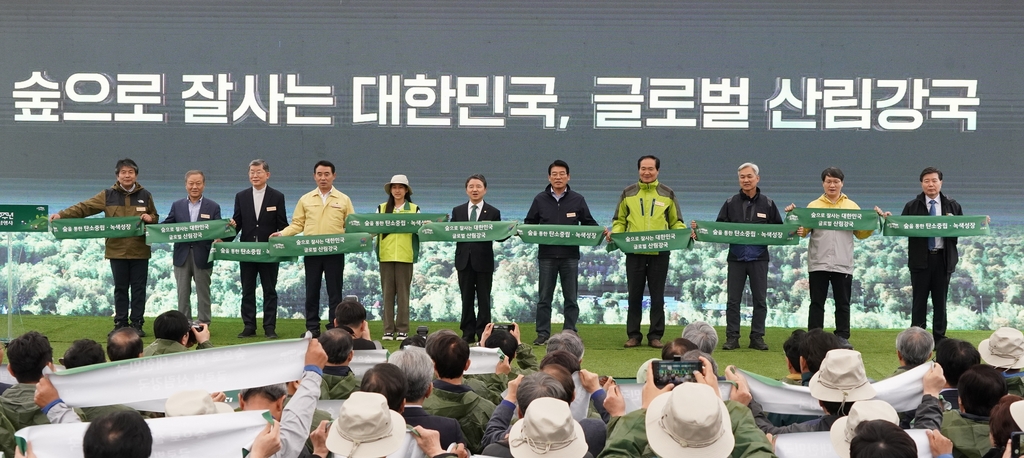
point(396, 254)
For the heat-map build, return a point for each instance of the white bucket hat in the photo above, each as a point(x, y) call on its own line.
point(690, 421)
point(841, 378)
point(1005, 349)
point(398, 179)
point(844, 429)
point(547, 430)
point(1017, 413)
point(194, 402)
point(366, 428)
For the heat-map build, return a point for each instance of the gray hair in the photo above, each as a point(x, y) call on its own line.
point(693, 355)
point(418, 369)
point(757, 170)
point(915, 345)
point(535, 386)
point(195, 172)
point(702, 335)
point(568, 341)
point(269, 392)
point(260, 163)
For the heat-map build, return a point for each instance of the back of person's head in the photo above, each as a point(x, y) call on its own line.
point(694, 355)
point(350, 312)
point(568, 341)
point(956, 356)
point(504, 340)
point(815, 345)
point(450, 354)
point(702, 335)
point(414, 340)
point(882, 439)
point(537, 385)
point(564, 377)
point(269, 393)
point(386, 379)
point(792, 348)
point(170, 325)
point(123, 344)
point(337, 344)
point(915, 345)
point(83, 352)
point(562, 358)
point(1000, 422)
point(676, 347)
point(27, 355)
point(122, 434)
point(418, 370)
point(980, 389)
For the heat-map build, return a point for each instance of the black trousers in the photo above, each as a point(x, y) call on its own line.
point(476, 285)
point(267, 273)
point(933, 280)
point(739, 272)
point(650, 271)
point(129, 274)
point(842, 286)
point(332, 268)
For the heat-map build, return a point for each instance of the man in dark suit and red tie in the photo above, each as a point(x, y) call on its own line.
point(259, 212)
point(474, 261)
point(191, 259)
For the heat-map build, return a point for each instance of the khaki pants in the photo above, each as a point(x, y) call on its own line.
point(184, 276)
point(395, 281)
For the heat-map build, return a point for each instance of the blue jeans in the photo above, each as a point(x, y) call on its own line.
point(550, 269)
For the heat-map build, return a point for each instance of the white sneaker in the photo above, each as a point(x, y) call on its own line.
point(388, 336)
point(401, 336)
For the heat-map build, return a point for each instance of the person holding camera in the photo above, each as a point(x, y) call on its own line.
point(175, 333)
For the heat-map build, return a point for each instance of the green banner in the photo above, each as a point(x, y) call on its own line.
point(834, 219)
point(467, 231)
point(650, 241)
point(747, 233)
point(97, 228)
point(23, 218)
point(321, 245)
point(935, 226)
point(189, 232)
point(245, 252)
point(392, 223)
point(561, 234)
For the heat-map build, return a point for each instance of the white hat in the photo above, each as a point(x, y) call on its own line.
point(547, 430)
point(194, 402)
point(1017, 413)
point(366, 428)
point(841, 378)
point(844, 429)
point(1005, 349)
point(690, 421)
point(398, 179)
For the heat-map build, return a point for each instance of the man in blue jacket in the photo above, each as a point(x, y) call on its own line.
point(191, 258)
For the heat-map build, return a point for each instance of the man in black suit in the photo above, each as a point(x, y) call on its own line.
point(259, 212)
point(419, 375)
point(474, 261)
point(191, 259)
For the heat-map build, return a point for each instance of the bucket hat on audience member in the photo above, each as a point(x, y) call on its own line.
point(398, 179)
point(844, 429)
point(1004, 349)
point(691, 421)
point(366, 428)
point(547, 430)
point(841, 378)
point(1017, 413)
point(194, 402)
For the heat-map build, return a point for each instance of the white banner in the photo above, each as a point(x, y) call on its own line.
point(363, 360)
point(482, 360)
point(158, 377)
point(222, 435)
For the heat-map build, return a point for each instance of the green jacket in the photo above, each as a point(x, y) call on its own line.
point(7, 430)
point(1015, 386)
point(970, 437)
point(647, 207)
point(20, 408)
point(338, 387)
point(491, 386)
point(165, 346)
point(627, 435)
point(88, 414)
point(468, 408)
point(115, 202)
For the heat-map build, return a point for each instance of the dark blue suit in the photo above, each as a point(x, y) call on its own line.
point(191, 259)
point(273, 217)
point(449, 428)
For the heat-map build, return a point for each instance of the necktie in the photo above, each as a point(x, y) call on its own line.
point(932, 210)
point(472, 214)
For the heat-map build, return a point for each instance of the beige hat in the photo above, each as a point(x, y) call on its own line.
point(1017, 413)
point(366, 428)
point(547, 430)
point(844, 429)
point(841, 378)
point(194, 402)
point(690, 421)
point(1005, 349)
point(398, 179)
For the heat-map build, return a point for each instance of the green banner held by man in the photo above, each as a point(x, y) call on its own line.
point(561, 234)
point(468, 231)
point(97, 228)
point(320, 245)
point(834, 218)
point(189, 232)
point(935, 226)
point(747, 233)
point(392, 223)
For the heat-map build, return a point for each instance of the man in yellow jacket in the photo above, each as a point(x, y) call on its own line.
point(321, 212)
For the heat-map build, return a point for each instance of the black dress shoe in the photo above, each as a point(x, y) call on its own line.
point(757, 343)
point(270, 334)
point(731, 343)
point(246, 333)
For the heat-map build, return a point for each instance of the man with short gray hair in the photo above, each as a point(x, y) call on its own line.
point(702, 335)
point(914, 347)
point(191, 259)
point(568, 341)
point(419, 373)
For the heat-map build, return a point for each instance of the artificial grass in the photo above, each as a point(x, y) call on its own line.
point(604, 352)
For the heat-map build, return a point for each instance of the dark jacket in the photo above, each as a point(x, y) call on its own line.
point(478, 256)
point(917, 247)
point(273, 215)
point(208, 210)
point(116, 202)
point(741, 208)
point(449, 428)
point(571, 209)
